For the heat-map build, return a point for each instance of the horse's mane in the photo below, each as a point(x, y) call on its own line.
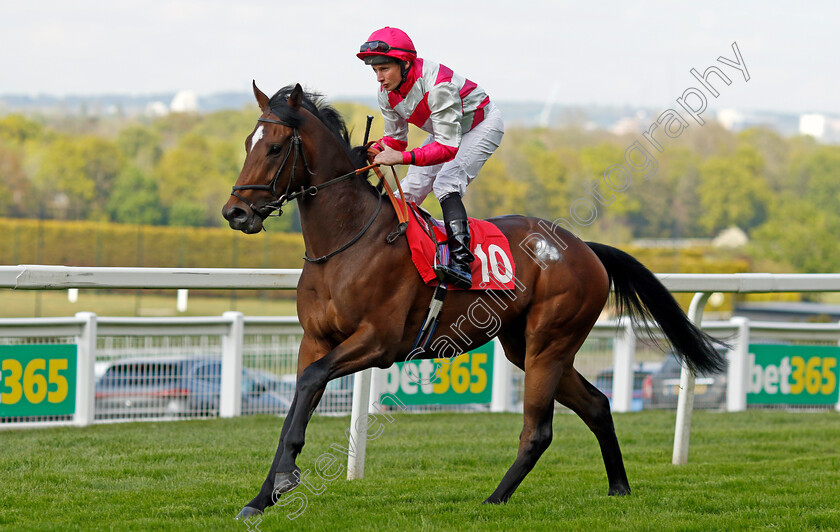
point(316, 104)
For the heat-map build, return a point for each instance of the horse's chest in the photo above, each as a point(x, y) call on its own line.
point(329, 319)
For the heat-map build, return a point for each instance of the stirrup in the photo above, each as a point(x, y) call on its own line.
point(424, 337)
point(456, 278)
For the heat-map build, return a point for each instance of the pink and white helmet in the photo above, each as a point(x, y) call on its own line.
point(387, 44)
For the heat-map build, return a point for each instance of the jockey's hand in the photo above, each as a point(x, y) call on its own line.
point(372, 151)
point(389, 156)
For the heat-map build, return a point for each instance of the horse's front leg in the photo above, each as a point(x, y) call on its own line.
point(360, 351)
point(310, 350)
point(354, 354)
point(310, 388)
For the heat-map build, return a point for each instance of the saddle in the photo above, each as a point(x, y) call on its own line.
point(493, 268)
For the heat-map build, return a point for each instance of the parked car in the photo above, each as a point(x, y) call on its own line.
point(337, 398)
point(99, 369)
point(604, 382)
point(183, 386)
point(661, 388)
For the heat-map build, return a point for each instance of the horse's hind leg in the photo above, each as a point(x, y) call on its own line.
point(592, 406)
point(540, 385)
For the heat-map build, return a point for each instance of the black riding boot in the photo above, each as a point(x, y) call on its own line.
point(457, 272)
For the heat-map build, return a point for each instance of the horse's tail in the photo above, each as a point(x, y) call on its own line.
point(640, 295)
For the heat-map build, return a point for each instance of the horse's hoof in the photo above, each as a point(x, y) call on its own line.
point(285, 481)
point(491, 500)
point(247, 513)
point(620, 490)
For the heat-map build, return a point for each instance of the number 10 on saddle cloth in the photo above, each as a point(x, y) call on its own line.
point(493, 268)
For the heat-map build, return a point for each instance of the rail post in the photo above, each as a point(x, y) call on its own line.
point(359, 424)
point(500, 398)
point(685, 403)
point(85, 375)
point(230, 398)
point(624, 351)
point(736, 373)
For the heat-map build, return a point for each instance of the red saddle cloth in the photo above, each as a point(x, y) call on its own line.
point(493, 268)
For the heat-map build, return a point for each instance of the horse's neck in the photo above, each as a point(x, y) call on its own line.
point(336, 214)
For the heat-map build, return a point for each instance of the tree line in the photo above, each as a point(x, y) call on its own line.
point(178, 170)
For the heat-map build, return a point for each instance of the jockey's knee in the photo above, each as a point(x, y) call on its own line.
point(445, 187)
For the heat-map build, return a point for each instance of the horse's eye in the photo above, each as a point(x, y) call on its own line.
point(274, 149)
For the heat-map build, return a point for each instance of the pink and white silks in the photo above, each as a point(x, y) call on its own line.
point(464, 128)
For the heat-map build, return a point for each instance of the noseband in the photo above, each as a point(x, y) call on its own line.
point(295, 146)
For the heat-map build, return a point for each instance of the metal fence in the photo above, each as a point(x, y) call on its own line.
point(175, 368)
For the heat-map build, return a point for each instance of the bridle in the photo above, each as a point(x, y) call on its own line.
point(296, 147)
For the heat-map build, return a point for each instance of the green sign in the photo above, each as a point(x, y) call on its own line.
point(467, 378)
point(37, 380)
point(793, 374)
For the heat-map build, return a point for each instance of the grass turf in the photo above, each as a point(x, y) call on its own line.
point(751, 470)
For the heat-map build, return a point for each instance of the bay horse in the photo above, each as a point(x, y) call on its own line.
point(361, 301)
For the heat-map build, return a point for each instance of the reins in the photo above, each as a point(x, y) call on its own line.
point(402, 213)
point(323, 259)
point(400, 207)
point(296, 146)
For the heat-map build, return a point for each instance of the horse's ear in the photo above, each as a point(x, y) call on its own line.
point(296, 97)
point(262, 99)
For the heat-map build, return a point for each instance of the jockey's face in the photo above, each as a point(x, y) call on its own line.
point(388, 75)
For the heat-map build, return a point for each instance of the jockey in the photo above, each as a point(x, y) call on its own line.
point(464, 128)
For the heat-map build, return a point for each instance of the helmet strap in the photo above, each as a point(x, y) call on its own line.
point(405, 66)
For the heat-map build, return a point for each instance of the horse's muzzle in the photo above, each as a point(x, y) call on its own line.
point(244, 220)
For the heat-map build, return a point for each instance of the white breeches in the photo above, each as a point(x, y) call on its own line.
point(453, 176)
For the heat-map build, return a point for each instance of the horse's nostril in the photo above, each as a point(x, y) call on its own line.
point(235, 216)
point(234, 213)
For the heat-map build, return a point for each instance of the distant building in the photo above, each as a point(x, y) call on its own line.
point(731, 238)
point(832, 134)
point(156, 109)
point(627, 125)
point(812, 124)
point(184, 102)
point(731, 119)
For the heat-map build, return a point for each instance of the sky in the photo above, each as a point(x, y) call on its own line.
point(636, 53)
